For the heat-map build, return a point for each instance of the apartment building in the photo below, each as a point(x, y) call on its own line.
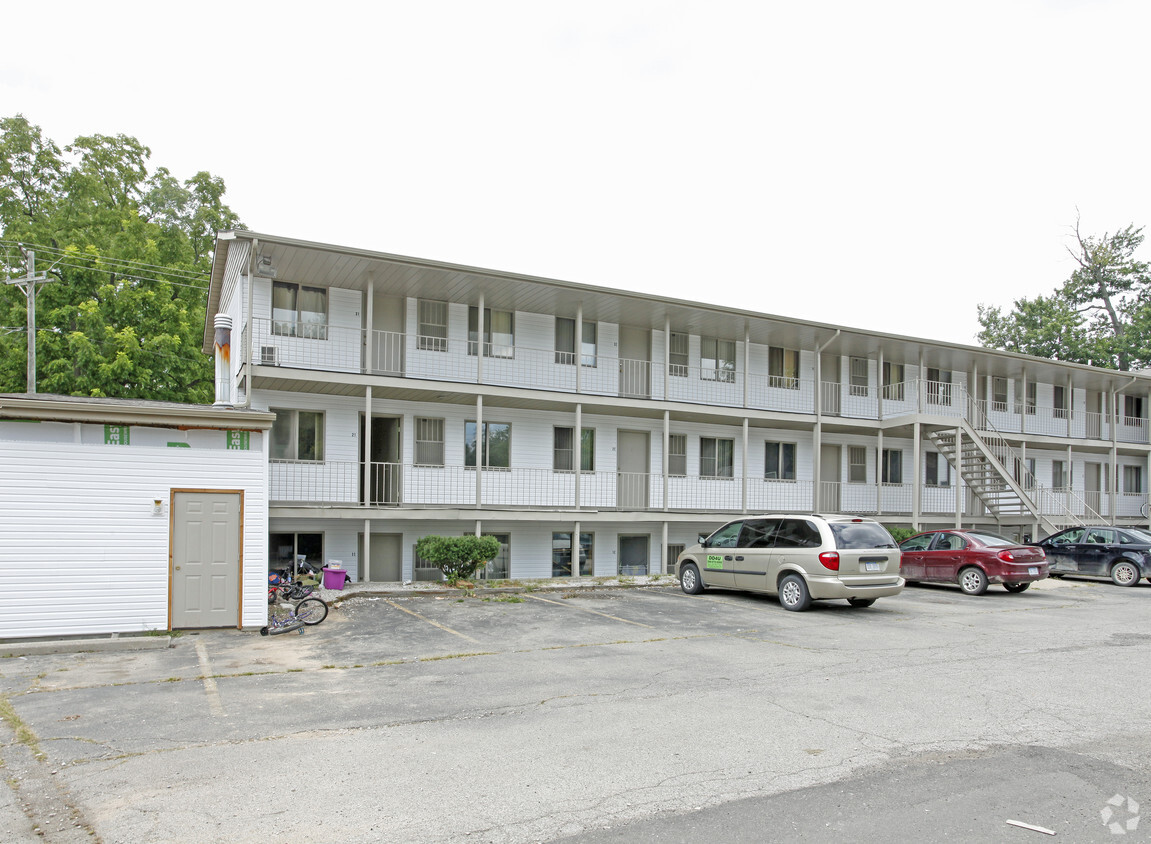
point(598, 431)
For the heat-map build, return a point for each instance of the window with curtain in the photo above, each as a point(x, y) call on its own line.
point(1059, 476)
point(936, 469)
point(677, 454)
point(678, 357)
point(857, 464)
point(565, 342)
point(1025, 397)
point(1059, 401)
point(892, 381)
point(563, 453)
point(717, 360)
point(299, 311)
point(499, 333)
point(783, 368)
point(858, 376)
point(779, 461)
point(297, 435)
point(429, 442)
point(1133, 480)
point(892, 466)
point(433, 326)
point(938, 386)
point(716, 457)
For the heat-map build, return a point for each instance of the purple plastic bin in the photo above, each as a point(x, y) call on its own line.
point(334, 578)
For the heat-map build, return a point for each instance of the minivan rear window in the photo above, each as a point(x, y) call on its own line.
point(861, 535)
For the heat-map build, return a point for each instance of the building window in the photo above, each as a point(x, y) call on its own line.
point(783, 368)
point(999, 394)
point(433, 326)
point(858, 376)
point(562, 554)
point(500, 567)
point(299, 311)
point(677, 454)
point(939, 386)
point(1059, 401)
point(1025, 397)
point(297, 435)
point(717, 360)
point(429, 442)
point(564, 448)
point(1133, 480)
point(495, 445)
point(287, 550)
point(857, 464)
point(565, 342)
point(1059, 478)
point(892, 466)
point(499, 333)
point(1025, 472)
point(716, 457)
point(678, 356)
point(937, 470)
point(892, 381)
point(1132, 410)
point(779, 461)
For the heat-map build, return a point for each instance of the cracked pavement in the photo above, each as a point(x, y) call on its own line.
point(651, 714)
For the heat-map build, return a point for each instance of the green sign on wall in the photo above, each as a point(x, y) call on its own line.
point(239, 440)
point(115, 435)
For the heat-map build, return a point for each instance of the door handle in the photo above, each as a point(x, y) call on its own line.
point(177, 568)
point(739, 559)
point(728, 557)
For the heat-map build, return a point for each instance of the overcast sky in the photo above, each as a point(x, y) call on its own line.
point(885, 164)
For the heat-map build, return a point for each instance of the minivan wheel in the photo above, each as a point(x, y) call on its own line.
point(689, 580)
point(793, 593)
point(1016, 587)
point(1124, 573)
point(861, 602)
point(973, 581)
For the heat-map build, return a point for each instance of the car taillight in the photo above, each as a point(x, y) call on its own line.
point(830, 560)
point(1006, 556)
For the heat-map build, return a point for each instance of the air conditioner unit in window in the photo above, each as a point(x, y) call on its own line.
point(267, 355)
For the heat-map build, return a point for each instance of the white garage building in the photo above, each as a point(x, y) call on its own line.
point(121, 516)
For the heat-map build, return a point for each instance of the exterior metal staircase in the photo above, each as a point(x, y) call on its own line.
point(997, 475)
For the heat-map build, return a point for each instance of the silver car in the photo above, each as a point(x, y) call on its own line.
point(799, 558)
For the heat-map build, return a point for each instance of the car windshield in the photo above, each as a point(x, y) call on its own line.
point(992, 539)
point(861, 535)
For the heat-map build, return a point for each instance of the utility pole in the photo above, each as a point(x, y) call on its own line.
point(28, 286)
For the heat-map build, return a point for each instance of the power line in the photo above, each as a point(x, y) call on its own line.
point(138, 266)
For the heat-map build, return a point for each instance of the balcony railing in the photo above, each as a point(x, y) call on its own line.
point(396, 354)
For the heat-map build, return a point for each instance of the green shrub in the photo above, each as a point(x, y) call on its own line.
point(900, 533)
point(458, 557)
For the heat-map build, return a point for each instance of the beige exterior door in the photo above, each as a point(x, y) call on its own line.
point(830, 478)
point(634, 362)
point(206, 559)
point(632, 481)
point(386, 560)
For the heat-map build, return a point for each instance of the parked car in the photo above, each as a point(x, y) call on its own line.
point(799, 558)
point(973, 559)
point(1123, 554)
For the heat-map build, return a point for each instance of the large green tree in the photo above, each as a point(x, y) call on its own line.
point(1101, 315)
point(128, 253)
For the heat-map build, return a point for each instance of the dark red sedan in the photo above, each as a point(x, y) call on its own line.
point(973, 559)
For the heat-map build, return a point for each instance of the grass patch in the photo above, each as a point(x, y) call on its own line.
point(24, 734)
point(454, 656)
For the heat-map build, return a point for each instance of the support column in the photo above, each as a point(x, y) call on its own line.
point(917, 475)
point(480, 347)
point(1113, 481)
point(479, 452)
point(879, 388)
point(667, 358)
point(369, 335)
point(367, 444)
point(817, 466)
point(365, 565)
point(666, 456)
point(920, 385)
point(879, 472)
point(577, 457)
point(663, 551)
point(746, 365)
point(958, 477)
point(575, 552)
point(1070, 415)
point(743, 503)
point(579, 348)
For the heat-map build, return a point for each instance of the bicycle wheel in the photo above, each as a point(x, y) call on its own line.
point(311, 611)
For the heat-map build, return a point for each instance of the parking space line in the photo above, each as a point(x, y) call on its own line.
point(433, 623)
point(210, 688)
point(585, 609)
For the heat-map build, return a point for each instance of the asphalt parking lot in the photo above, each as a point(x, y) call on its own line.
point(597, 715)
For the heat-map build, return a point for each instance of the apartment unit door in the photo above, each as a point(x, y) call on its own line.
point(387, 336)
point(634, 362)
point(386, 557)
point(205, 559)
point(831, 388)
point(830, 477)
point(632, 480)
point(1094, 415)
point(385, 475)
point(633, 555)
point(1095, 478)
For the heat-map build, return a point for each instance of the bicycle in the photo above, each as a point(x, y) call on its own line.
point(308, 612)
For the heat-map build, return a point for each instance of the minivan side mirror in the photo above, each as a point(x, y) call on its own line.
point(703, 539)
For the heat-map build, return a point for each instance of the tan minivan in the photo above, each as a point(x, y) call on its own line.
point(799, 558)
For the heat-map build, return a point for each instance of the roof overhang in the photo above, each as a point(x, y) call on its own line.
point(47, 407)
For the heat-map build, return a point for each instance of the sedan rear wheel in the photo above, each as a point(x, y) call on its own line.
point(1016, 587)
point(972, 581)
point(689, 580)
point(1124, 573)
